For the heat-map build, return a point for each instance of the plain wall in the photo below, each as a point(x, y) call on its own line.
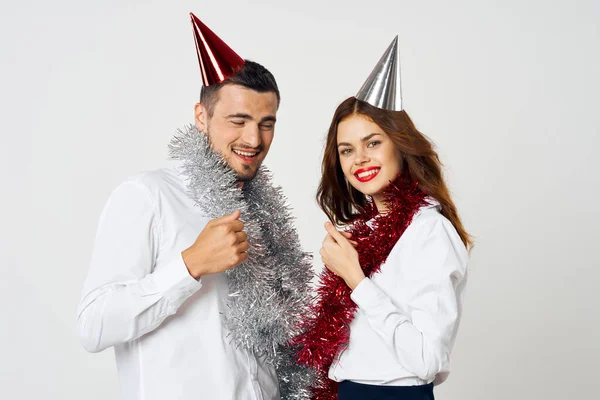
point(91, 92)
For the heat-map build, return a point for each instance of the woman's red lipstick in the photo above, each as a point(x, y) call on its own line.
point(368, 177)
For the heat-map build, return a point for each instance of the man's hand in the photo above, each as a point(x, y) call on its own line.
point(221, 245)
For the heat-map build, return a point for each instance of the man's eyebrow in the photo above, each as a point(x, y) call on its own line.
point(239, 115)
point(249, 117)
point(270, 118)
point(366, 138)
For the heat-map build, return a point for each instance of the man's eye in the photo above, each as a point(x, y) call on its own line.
point(266, 126)
point(238, 123)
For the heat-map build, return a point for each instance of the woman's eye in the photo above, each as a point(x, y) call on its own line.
point(345, 152)
point(374, 143)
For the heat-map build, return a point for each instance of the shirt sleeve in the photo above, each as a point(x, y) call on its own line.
point(123, 297)
point(420, 331)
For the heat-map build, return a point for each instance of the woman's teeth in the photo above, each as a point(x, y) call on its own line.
point(368, 173)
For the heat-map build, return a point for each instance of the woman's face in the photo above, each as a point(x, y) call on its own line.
point(368, 156)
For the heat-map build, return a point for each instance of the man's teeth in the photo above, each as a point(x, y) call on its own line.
point(368, 173)
point(244, 153)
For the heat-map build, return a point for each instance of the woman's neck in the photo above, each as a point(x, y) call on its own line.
point(380, 204)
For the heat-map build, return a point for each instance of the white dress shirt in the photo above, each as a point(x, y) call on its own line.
point(165, 327)
point(408, 313)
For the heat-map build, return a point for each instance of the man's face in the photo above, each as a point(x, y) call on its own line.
point(241, 128)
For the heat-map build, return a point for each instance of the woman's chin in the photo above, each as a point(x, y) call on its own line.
point(370, 191)
point(373, 188)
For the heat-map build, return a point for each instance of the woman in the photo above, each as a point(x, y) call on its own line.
point(390, 299)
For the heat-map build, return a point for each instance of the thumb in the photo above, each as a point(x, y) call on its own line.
point(229, 217)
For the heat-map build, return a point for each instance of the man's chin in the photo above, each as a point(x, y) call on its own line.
point(244, 171)
point(245, 178)
point(245, 174)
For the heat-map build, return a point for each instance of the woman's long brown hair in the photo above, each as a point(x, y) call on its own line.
point(341, 202)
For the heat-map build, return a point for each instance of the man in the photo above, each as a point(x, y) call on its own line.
point(197, 303)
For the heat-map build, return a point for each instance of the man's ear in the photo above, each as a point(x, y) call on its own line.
point(201, 117)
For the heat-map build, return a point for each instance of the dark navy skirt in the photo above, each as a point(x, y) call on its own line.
point(357, 391)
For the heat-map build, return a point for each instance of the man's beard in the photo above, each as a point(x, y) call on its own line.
point(247, 173)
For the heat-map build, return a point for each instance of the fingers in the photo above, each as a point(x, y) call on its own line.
point(348, 235)
point(242, 247)
point(241, 237)
point(238, 259)
point(231, 230)
point(234, 215)
point(236, 226)
point(328, 241)
point(323, 255)
point(335, 234)
point(227, 218)
point(345, 234)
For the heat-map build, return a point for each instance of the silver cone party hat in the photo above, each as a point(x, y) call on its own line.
point(382, 88)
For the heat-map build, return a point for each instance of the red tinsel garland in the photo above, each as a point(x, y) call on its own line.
point(327, 330)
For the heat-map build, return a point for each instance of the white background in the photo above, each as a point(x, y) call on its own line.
point(91, 93)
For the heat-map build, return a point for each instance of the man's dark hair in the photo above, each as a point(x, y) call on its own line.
point(252, 76)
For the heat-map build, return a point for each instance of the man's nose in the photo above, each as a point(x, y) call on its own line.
point(251, 135)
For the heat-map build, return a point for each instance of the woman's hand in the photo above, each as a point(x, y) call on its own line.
point(340, 256)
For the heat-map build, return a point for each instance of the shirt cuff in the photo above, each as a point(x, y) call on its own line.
point(175, 282)
point(373, 301)
point(366, 294)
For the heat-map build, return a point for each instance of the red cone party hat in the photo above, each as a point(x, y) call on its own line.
point(217, 60)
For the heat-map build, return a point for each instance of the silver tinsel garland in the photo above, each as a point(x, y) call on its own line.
point(269, 291)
